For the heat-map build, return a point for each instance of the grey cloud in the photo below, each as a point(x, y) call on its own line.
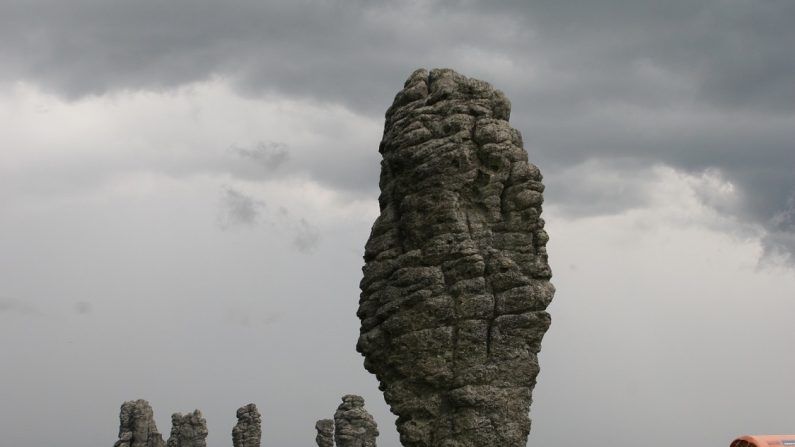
point(306, 236)
point(83, 307)
point(779, 243)
point(731, 52)
point(15, 306)
point(692, 84)
point(596, 188)
point(269, 156)
point(237, 209)
point(92, 47)
point(245, 316)
point(785, 220)
point(241, 209)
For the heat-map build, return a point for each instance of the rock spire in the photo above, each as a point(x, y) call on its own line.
point(456, 280)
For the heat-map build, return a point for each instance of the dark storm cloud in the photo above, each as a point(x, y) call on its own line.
point(731, 52)
point(89, 47)
point(780, 240)
point(698, 85)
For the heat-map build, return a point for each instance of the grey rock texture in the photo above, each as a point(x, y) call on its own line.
point(325, 433)
point(188, 430)
point(248, 430)
point(137, 426)
point(456, 280)
point(353, 425)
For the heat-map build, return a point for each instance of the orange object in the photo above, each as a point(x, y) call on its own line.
point(764, 441)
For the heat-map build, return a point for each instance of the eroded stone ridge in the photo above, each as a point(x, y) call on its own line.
point(137, 426)
point(353, 425)
point(248, 430)
point(456, 280)
point(325, 433)
point(189, 430)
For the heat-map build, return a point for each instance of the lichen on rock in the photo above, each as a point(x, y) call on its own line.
point(456, 280)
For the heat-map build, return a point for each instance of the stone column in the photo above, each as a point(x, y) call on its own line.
point(325, 433)
point(456, 280)
point(353, 425)
point(248, 430)
point(137, 426)
point(189, 430)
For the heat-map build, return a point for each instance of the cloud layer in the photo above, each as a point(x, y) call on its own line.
point(704, 85)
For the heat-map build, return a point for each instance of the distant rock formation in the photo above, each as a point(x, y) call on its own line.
point(353, 425)
point(137, 426)
point(189, 430)
point(325, 433)
point(456, 280)
point(248, 430)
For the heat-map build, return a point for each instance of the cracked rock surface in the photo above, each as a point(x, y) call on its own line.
point(353, 425)
point(188, 430)
point(137, 426)
point(248, 430)
point(456, 280)
point(325, 433)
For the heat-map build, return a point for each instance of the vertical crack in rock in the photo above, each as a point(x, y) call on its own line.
point(325, 433)
point(248, 430)
point(189, 430)
point(353, 425)
point(456, 280)
point(137, 426)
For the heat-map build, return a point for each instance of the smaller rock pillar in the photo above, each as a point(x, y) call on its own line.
point(137, 426)
point(353, 425)
point(248, 430)
point(325, 433)
point(189, 430)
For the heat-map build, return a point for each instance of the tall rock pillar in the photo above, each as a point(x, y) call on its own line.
point(456, 280)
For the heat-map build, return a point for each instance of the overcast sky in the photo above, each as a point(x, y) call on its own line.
point(186, 188)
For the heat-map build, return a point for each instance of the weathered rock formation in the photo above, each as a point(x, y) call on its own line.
point(325, 433)
point(248, 430)
point(188, 430)
point(456, 279)
point(353, 425)
point(137, 426)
